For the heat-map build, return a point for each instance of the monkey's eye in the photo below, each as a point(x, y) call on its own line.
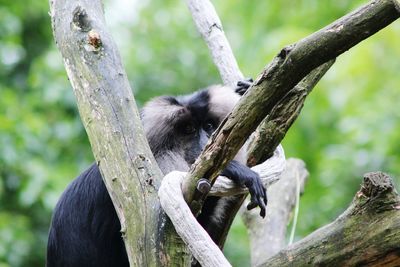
point(208, 126)
point(189, 128)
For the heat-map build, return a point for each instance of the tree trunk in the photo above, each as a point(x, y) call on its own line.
point(111, 119)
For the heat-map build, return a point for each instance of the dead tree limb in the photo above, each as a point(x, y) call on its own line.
point(210, 27)
point(269, 133)
point(273, 128)
point(193, 234)
point(290, 66)
point(366, 234)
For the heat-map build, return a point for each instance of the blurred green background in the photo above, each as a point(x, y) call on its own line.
point(349, 125)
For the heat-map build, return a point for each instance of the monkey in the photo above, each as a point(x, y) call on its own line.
point(85, 229)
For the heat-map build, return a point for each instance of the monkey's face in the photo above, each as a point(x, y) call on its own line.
point(192, 134)
point(178, 128)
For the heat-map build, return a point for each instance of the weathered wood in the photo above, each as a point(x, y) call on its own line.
point(210, 27)
point(199, 242)
point(366, 234)
point(273, 128)
point(193, 234)
point(109, 114)
point(267, 236)
point(291, 65)
point(265, 139)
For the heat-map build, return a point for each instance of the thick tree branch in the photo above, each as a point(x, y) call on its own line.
point(366, 234)
point(112, 122)
point(273, 128)
point(200, 243)
point(291, 65)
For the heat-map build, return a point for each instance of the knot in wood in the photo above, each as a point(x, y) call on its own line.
point(94, 39)
point(285, 51)
point(81, 20)
point(376, 183)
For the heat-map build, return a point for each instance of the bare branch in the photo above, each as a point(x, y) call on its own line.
point(197, 239)
point(291, 65)
point(273, 128)
point(210, 27)
point(366, 234)
point(199, 242)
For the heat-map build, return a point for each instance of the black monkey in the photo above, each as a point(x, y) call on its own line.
point(85, 230)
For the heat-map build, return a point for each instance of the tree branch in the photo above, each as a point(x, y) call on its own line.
point(366, 234)
point(197, 239)
point(273, 128)
point(210, 27)
point(291, 65)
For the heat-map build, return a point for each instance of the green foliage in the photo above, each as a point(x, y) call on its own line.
point(349, 125)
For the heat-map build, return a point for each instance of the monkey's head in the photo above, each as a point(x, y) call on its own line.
point(182, 125)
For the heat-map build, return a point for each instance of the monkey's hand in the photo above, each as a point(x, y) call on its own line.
point(243, 85)
point(244, 176)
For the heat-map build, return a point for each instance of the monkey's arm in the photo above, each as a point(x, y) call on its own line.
point(244, 176)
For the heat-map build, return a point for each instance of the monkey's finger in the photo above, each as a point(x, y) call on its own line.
point(245, 83)
point(261, 192)
point(265, 197)
point(251, 205)
point(253, 200)
point(241, 90)
point(261, 204)
point(262, 209)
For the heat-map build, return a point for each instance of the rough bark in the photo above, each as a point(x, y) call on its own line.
point(109, 114)
point(291, 65)
point(267, 236)
point(266, 138)
point(273, 128)
point(197, 239)
point(366, 234)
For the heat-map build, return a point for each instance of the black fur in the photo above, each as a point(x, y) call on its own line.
point(85, 230)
